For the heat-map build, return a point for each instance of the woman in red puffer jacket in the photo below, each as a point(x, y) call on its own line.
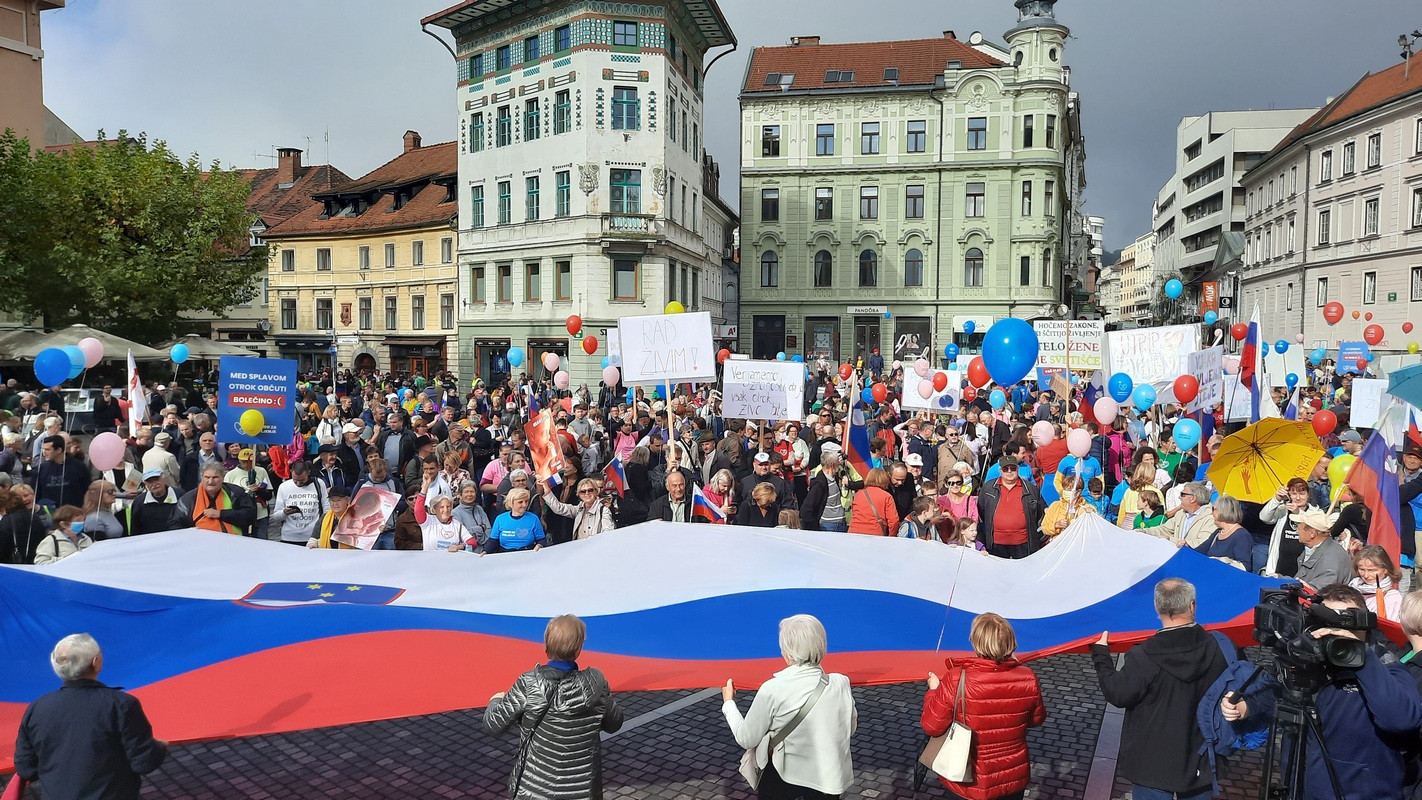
point(1002, 701)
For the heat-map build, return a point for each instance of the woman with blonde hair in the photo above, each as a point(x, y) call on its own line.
point(1142, 481)
point(720, 490)
point(591, 515)
point(762, 511)
point(874, 511)
point(100, 522)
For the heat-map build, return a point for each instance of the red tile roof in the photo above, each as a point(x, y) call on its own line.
point(919, 62)
point(428, 164)
point(274, 204)
point(1371, 91)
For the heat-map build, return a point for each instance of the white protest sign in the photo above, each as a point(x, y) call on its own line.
point(1279, 366)
point(1083, 339)
point(1208, 368)
point(1238, 404)
point(1369, 397)
point(762, 389)
point(953, 391)
point(614, 346)
point(1152, 355)
point(664, 348)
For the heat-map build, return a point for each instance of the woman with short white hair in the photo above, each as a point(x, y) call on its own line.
point(800, 722)
point(440, 529)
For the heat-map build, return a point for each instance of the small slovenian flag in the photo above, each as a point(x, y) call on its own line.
point(856, 434)
point(701, 506)
point(1251, 366)
point(555, 480)
point(1373, 478)
point(1291, 411)
point(614, 479)
point(283, 595)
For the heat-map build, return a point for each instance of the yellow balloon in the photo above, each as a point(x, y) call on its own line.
point(1412, 348)
point(675, 307)
point(252, 422)
point(1338, 469)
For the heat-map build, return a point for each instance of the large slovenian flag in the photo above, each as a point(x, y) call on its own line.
point(701, 506)
point(856, 434)
point(289, 639)
point(1251, 366)
point(1373, 477)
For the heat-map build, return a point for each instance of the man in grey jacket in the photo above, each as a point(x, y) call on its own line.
point(1324, 561)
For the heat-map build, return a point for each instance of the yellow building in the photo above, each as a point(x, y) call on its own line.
point(364, 277)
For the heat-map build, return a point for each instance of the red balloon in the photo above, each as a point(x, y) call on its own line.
point(722, 355)
point(846, 372)
point(589, 344)
point(880, 392)
point(1239, 330)
point(940, 381)
point(1317, 403)
point(1356, 315)
point(970, 393)
point(977, 372)
point(1186, 388)
point(575, 324)
point(1332, 312)
point(1324, 422)
point(1407, 327)
point(1362, 365)
point(1373, 334)
point(1368, 316)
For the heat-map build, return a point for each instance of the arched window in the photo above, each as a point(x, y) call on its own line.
point(868, 268)
point(824, 269)
point(769, 269)
point(913, 267)
point(1047, 269)
point(973, 267)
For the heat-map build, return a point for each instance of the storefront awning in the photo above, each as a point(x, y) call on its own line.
point(413, 341)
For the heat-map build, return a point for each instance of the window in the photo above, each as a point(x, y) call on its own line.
point(530, 49)
point(392, 315)
point(976, 202)
point(476, 207)
point(917, 140)
point(1370, 217)
point(417, 253)
point(288, 261)
point(671, 199)
point(1370, 288)
point(1289, 297)
point(1047, 267)
point(1029, 122)
point(417, 312)
point(476, 67)
point(695, 215)
point(476, 279)
point(624, 34)
point(671, 281)
point(503, 58)
point(696, 141)
point(913, 201)
point(1375, 150)
point(562, 38)
point(562, 280)
point(671, 115)
point(868, 268)
point(671, 48)
point(824, 203)
point(1325, 227)
point(685, 139)
point(1291, 235)
point(1417, 283)
point(868, 202)
point(624, 108)
point(1293, 181)
point(446, 312)
point(364, 256)
point(1321, 290)
point(869, 138)
point(505, 202)
point(1348, 150)
point(1049, 196)
point(476, 133)
point(530, 209)
point(824, 140)
point(1051, 130)
point(562, 112)
point(1026, 198)
point(1417, 208)
point(1024, 272)
point(913, 267)
point(973, 267)
point(364, 313)
point(824, 270)
point(977, 133)
point(505, 283)
point(503, 127)
point(769, 205)
point(625, 280)
point(288, 314)
point(530, 120)
point(532, 282)
point(390, 256)
point(769, 141)
point(769, 269)
point(563, 201)
point(1325, 166)
point(446, 250)
point(627, 191)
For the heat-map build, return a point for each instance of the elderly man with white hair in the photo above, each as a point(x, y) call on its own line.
point(86, 739)
point(1194, 521)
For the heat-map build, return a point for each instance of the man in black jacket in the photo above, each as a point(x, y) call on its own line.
point(764, 470)
point(1160, 686)
point(675, 505)
point(1010, 513)
point(59, 480)
point(86, 740)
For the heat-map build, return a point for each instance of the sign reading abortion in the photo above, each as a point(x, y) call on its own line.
point(264, 385)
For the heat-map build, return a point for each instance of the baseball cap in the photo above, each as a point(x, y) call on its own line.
point(1350, 436)
point(150, 474)
point(338, 491)
point(325, 448)
point(831, 449)
point(351, 427)
point(1314, 519)
point(162, 438)
point(914, 460)
point(246, 454)
point(762, 458)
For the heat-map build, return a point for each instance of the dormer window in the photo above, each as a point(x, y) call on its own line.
point(891, 74)
point(839, 76)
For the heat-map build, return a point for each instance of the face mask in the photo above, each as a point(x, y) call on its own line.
point(77, 526)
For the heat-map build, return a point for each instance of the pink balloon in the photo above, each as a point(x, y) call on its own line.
point(106, 451)
point(93, 351)
point(611, 376)
point(1079, 442)
point(1043, 433)
point(1299, 337)
point(1231, 365)
point(898, 364)
point(561, 379)
point(921, 367)
point(1106, 410)
point(925, 389)
point(551, 361)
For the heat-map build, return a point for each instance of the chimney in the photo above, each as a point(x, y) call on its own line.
point(950, 35)
point(289, 165)
point(412, 141)
point(804, 41)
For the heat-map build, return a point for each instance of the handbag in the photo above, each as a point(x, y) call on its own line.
point(883, 526)
point(752, 761)
point(950, 755)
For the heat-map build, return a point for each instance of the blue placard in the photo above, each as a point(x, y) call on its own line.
point(1348, 355)
point(265, 384)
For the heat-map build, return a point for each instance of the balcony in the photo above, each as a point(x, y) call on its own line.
point(629, 226)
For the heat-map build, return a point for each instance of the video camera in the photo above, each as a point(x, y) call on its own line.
point(1284, 622)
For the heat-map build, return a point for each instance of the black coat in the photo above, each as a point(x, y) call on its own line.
point(242, 514)
point(784, 495)
point(87, 741)
point(61, 484)
point(20, 533)
point(1031, 511)
point(661, 509)
point(749, 515)
point(143, 517)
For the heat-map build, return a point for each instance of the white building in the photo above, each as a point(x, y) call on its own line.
point(1138, 278)
point(581, 168)
point(1335, 214)
point(1108, 293)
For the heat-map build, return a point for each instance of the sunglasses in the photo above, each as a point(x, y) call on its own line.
point(955, 483)
point(587, 491)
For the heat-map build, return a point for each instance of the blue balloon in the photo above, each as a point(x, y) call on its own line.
point(997, 399)
point(76, 359)
point(1186, 434)
point(888, 315)
point(1281, 346)
point(1211, 317)
point(606, 362)
point(1010, 350)
point(797, 358)
point(1174, 288)
point(780, 356)
point(946, 401)
point(867, 395)
point(1368, 357)
point(515, 356)
point(953, 366)
point(1120, 387)
point(52, 366)
point(1075, 379)
point(1143, 397)
point(1291, 379)
point(1316, 357)
point(179, 353)
point(969, 327)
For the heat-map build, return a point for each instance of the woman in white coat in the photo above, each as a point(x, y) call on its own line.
point(590, 514)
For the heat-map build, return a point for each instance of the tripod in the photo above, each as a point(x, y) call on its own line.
point(1295, 717)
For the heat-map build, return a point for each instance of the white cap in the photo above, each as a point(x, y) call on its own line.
point(914, 460)
point(831, 449)
point(762, 458)
point(351, 427)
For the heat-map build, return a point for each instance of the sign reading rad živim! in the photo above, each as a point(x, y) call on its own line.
point(265, 384)
point(666, 348)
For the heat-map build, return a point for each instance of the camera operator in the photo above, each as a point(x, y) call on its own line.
point(1368, 717)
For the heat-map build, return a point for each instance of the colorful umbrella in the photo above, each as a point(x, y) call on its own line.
point(1253, 463)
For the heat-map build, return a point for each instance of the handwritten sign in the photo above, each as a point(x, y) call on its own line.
point(1208, 368)
point(1152, 355)
point(1082, 343)
point(1368, 401)
point(664, 348)
point(762, 389)
point(953, 392)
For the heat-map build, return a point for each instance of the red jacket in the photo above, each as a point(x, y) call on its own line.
point(1003, 701)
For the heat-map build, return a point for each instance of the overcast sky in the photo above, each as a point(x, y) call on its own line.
point(233, 80)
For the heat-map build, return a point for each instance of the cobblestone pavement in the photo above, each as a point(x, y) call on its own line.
point(688, 753)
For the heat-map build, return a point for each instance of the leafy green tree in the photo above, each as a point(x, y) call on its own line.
point(121, 235)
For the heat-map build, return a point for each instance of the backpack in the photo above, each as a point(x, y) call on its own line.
point(1225, 738)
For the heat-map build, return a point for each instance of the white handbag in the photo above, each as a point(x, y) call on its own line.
point(950, 756)
point(753, 761)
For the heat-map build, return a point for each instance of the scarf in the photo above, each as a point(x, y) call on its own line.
point(203, 503)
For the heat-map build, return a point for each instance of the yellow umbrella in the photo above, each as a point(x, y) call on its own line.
point(1253, 463)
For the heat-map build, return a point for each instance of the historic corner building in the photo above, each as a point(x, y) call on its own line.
point(363, 277)
point(584, 187)
point(891, 191)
